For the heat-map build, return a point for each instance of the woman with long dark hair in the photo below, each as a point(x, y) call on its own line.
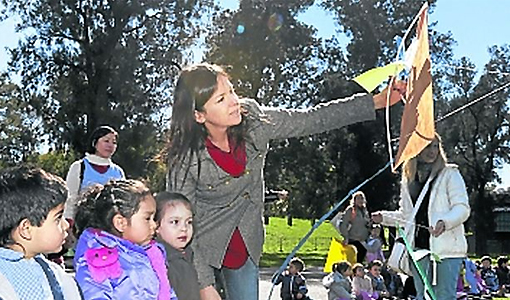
point(216, 153)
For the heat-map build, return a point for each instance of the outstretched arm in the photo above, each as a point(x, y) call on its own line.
point(397, 92)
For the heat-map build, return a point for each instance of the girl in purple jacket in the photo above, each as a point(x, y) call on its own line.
point(116, 257)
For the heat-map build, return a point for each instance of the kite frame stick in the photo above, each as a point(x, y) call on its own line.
point(402, 43)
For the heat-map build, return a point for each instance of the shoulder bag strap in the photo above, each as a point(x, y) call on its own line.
point(422, 195)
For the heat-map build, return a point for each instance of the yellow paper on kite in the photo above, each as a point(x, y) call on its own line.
point(337, 253)
point(372, 78)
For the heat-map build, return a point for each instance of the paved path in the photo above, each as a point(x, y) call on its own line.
point(313, 276)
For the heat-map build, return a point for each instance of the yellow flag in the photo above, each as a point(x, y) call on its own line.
point(337, 253)
point(417, 128)
point(370, 79)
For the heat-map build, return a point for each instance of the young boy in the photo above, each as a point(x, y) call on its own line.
point(503, 274)
point(489, 274)
point(293, 283)
point(374, 272)
point(31, 223)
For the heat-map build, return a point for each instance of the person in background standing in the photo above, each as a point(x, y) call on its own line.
point(355, 227)
point(96, 167)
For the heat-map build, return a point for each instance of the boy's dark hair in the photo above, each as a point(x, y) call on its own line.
point(502, 260)
point(486, 257)
point(27, 193)
point(163, 199)
point(98, 133)
point(101, 203)
point(375, 262)
point(298, 263)
point(341, 267)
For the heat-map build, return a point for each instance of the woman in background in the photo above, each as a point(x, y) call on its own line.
point(96, 167)
point(355, 227)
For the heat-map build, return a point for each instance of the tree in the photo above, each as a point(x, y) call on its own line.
point(273, 58)
point(374, 29)
point(87, 63)
point(478, 137)
point(19, 129)
point(290, 67)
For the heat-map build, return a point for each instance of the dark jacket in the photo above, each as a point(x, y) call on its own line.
point(291, 286)
point(223, 202)
point(503, 276)
point(181, 272)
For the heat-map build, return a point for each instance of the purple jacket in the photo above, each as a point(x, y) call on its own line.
point(109, 267)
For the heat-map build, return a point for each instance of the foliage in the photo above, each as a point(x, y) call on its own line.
point(87, 63)
point(19, 131)
point(270, 53)
point(56, 162)
point(477, 138)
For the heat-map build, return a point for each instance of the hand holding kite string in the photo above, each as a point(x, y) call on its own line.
point(439, 229)
point(397, 93)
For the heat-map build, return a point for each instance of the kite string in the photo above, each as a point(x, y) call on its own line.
point(473, 102)
point(461, 108)
point(318, 223)
point(387, 115)
point(473, 69)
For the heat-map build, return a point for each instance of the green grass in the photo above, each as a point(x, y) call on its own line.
point(281, 240)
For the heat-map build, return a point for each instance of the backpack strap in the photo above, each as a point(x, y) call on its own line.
point(56, 290)
point(82, 171)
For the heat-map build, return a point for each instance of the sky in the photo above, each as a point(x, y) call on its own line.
point(475, 25)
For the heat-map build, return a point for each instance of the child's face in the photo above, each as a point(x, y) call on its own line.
point(292, 269)
point(375, 271)
point(348, 272)
point(141, 226)
point(51, 235)
point(360, 272)
point(376, 232)
point(486, 264)
point(359, 200)
point(176, 226)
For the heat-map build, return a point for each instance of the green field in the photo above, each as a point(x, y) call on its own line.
point(281, 239)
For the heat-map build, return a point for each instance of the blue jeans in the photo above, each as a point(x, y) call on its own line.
point(242, 283)
point(448, 271)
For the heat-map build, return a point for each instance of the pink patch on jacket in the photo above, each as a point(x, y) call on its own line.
point(103, 263)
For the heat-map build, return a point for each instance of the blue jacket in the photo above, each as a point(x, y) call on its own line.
point(109, 267)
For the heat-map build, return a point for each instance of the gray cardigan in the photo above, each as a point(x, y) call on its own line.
point(357, 228)
point(223, 202)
